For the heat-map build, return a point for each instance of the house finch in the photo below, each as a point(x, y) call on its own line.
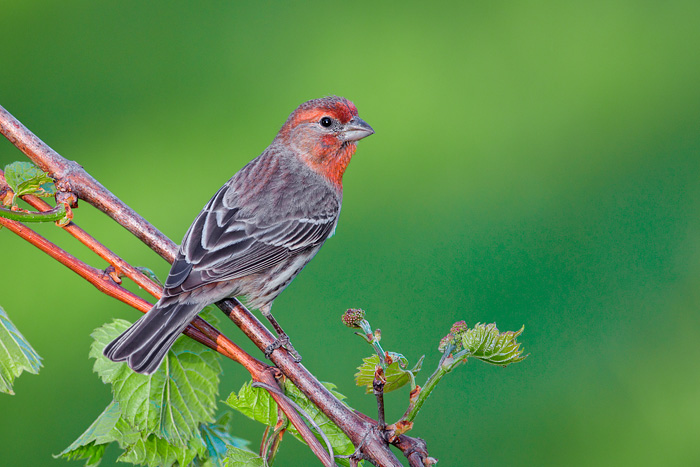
point(257, 232)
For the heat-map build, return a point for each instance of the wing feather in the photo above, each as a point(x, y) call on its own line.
point(228, 240)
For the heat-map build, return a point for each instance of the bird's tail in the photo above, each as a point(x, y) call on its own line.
point(146, 342)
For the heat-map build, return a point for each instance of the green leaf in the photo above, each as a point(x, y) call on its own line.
point(139, 447)
point(396, 376)
point(157, 419)
point(487, 344)
point(108, 427)
point(155, 452)
point(16, 355)
point(173, 401)
point(25, 178)
point(92, 452)
point(46, 189)
point(218, 439)
point(254, 403)
point(237, 457)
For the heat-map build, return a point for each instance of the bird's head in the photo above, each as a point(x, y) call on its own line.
point(324, 134)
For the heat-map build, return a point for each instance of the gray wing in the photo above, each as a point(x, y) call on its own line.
point(227, 240)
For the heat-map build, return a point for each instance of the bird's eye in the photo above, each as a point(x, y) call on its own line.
point(326, 121)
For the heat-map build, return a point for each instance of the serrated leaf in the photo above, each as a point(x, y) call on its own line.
point(16, 355)
point(217, 439)
point(25, 178)
point(237, 457)
point(156, 452)
point(396, 376)
point(100, 430)
point(139, 448)
point(487, 344)
point(91, 452)
point(156, 419)
point(173, 401)
point(254, 403)
point(92, 443)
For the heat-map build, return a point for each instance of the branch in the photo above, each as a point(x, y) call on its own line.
point(72, 178)
point(415, 449)
point(378, 389)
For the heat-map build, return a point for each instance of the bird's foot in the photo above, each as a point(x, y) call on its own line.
point(284, 342)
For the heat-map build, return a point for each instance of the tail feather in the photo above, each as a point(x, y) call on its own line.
point(145, 344)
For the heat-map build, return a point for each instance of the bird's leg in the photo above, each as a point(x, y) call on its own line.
point(282, 338)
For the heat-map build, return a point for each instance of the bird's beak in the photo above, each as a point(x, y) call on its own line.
point(356, 129)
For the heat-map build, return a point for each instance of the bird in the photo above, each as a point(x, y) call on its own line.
point(257, 232)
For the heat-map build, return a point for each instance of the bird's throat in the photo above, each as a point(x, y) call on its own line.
point(331, 161)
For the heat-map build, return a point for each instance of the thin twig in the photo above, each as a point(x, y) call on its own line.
point(263, 441)
point(378, 389)
point(415, 450)
point(273, 443)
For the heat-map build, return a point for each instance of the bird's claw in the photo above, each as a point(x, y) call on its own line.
point(283, 341)
point(279, 342)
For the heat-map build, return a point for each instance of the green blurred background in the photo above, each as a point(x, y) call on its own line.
point(534, 163)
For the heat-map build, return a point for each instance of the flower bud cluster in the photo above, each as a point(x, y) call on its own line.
point(454, 337)
point(353, 317)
